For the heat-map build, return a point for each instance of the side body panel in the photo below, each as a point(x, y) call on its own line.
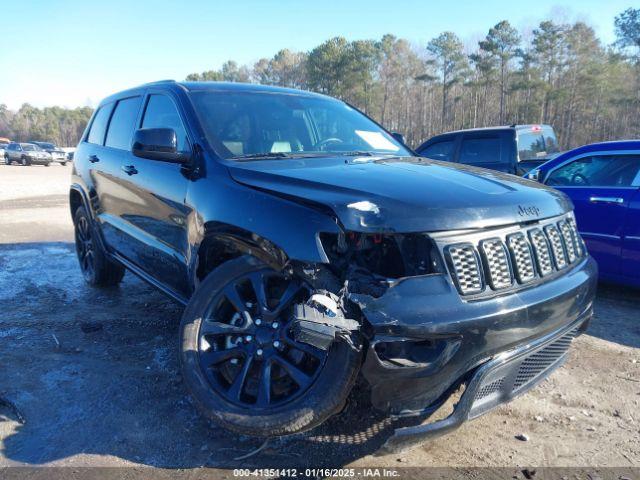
point(630, 264)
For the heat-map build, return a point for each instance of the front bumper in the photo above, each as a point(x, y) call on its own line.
point(39, 160)
point(498, 381)
point(452, 339)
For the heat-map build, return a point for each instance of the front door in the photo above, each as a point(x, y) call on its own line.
point(630, 269)
point(601, 186)
point(154, 203)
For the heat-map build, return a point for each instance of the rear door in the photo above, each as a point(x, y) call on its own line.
point(107, 142)
point(601, 186)
point(490, 149)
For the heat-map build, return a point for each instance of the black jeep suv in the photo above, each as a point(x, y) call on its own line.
point(309, 246)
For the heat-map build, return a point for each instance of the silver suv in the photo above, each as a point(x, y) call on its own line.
point(26, 154)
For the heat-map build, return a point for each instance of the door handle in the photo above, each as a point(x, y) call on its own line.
point(93, 158)
point(614, 200)
point(129, 170)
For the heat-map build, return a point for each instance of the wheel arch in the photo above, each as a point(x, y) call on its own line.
point(223, 242)
point(78, 198)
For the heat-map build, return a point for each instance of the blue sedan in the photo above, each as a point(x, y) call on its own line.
point(603, 181)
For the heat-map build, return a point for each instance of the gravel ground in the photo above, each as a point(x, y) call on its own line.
point(90, 377)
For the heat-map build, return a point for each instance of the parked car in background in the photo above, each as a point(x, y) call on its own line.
point(26, 154)
point(3, 147)
point(603, 181)
point(69, 151)
point(513, 149)
point(57, 154)
point(310, 246)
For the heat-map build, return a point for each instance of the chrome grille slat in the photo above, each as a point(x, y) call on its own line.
point(577, 241)
point(481, 265)
point(521, 256)
point(495, 257)
point(466, 268)
point(565, 230)
point(541, 251)
point(553, 234)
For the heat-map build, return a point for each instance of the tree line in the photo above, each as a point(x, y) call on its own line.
point(62, 126)
point(558, 73)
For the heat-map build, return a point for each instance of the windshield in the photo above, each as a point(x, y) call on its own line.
point(536, 142)
point(254, 124)
point(29, 147)
point(50, 146)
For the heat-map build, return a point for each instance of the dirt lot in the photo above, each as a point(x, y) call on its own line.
point(93, 374)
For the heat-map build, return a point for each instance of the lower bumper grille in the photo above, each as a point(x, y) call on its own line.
point(520, 374)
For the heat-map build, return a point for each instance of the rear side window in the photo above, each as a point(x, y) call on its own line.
point(439, 150)
point(478, 151)
point(162, 113)
point(99, 125)
point(123, 123)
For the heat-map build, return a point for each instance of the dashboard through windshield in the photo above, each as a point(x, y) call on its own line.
point(263, 124)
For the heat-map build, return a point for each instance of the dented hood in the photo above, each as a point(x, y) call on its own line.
point(404, 194)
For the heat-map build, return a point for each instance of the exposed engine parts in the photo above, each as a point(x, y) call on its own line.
point(320, 320)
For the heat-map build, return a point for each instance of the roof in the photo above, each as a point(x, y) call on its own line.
point(212, 86)
point(496, 128)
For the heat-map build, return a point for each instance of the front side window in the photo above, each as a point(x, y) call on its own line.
point(597, 171)
point(123, 123)
point(162, 113)
point(241, 124)
point(31, 148)
point(99, 125)
point(478, 151)
point(439, 150)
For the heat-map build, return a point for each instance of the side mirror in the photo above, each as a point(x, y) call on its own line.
point(533, 175)
point(399, 137)
point(157, 144)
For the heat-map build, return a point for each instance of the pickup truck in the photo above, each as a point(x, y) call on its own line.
point(512, 149)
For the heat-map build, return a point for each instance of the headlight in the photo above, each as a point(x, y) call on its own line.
point(389, 255)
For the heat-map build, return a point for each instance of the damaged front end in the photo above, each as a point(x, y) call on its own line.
point(402, 298)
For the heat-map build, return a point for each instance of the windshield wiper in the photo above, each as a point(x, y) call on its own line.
point(265, 155)
point(358, 153)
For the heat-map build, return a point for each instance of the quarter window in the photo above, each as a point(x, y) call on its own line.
point(99, 125)
point(122, 123)
point(161, 112)
point(597, 171)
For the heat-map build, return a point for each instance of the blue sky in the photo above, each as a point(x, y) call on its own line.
point(74, 52)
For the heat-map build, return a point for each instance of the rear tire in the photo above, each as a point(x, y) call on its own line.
point(47, 164)
point(96, 268)
point(63, 163)
point(304, 386)
point(6, 160)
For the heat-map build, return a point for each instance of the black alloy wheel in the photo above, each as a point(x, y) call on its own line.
point(246, 347)
point(85, 248)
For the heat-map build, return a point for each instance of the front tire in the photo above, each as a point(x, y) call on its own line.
point(96, 268)
point(241, 363)
point(24, 162)
point(63, 163)
point(6, 160)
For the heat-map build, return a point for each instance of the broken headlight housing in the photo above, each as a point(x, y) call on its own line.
point(387, 255)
